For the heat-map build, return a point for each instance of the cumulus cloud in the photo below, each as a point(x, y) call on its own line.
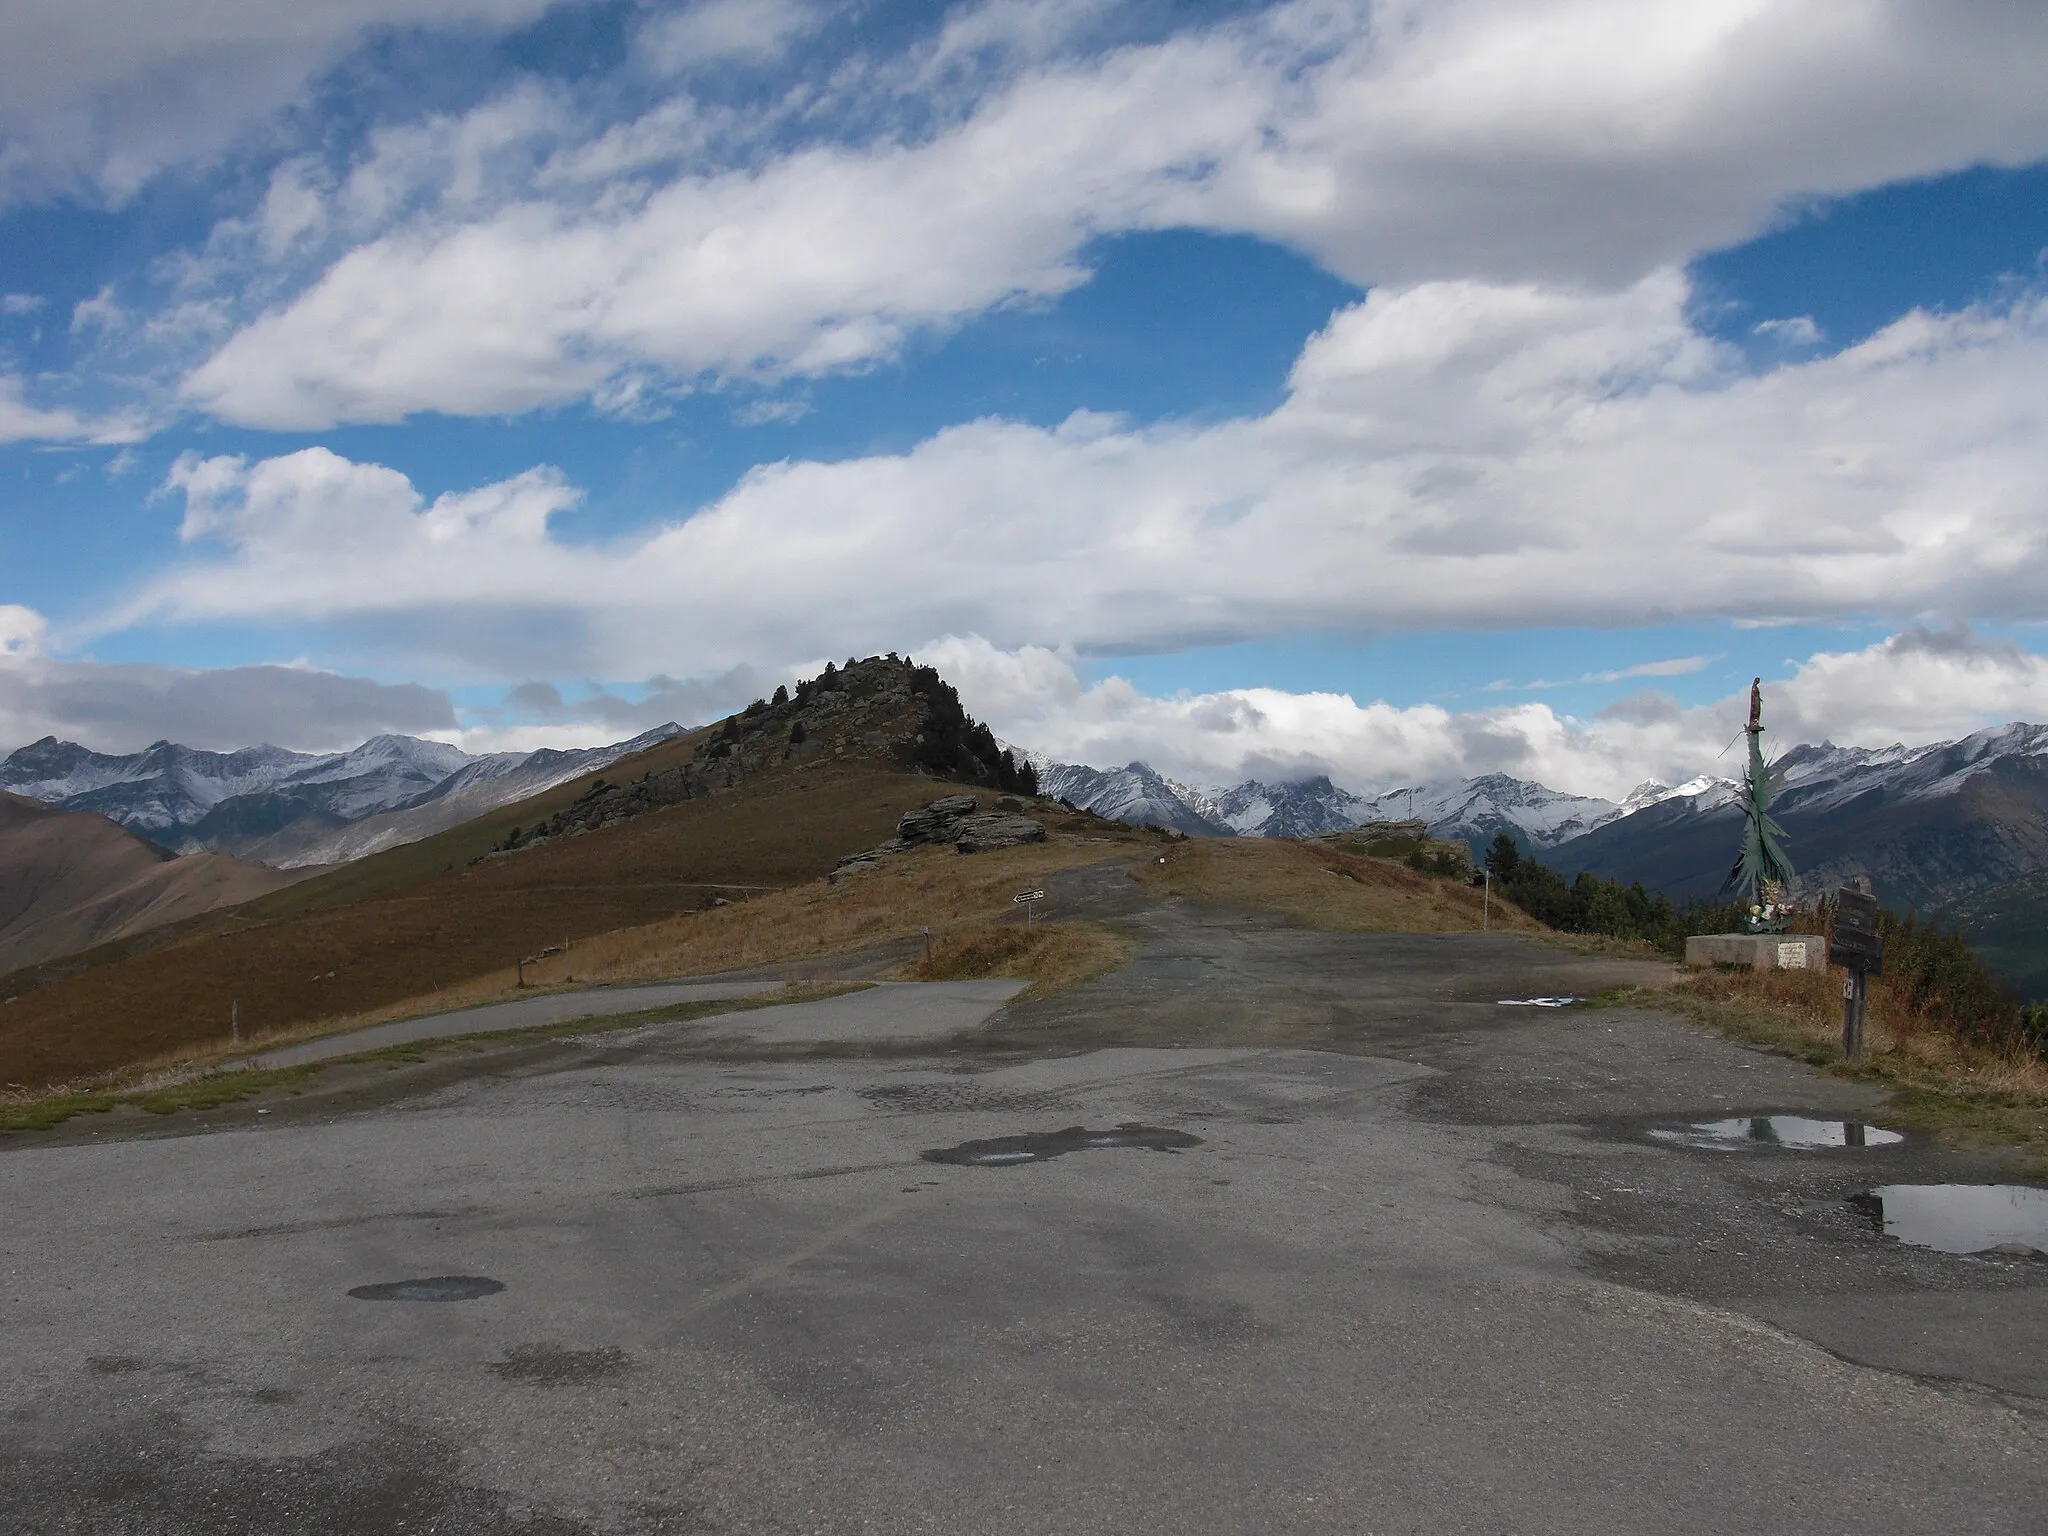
point(124, 707)
point(1916, 686)
point(1454, 454)
point(723, 31)
point(22, 421)
point(96, 96)
point(1564, 145)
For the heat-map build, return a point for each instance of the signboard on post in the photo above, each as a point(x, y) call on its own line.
point(1026, 899)
point(1858, 947)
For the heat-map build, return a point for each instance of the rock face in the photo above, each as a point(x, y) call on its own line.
point(996, 829)
point(955, 819)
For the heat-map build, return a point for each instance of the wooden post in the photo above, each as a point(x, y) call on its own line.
point(235, 1022)
point(1855, 998)
point(1486, 905)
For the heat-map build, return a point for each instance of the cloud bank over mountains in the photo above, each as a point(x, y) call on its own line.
point(1917, 686)
point(1524, 422)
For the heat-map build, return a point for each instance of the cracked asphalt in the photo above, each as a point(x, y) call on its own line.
point(1423, 1270)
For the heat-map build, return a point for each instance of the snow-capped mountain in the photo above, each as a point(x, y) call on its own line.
point(274, 804)
point(1927, 824)
point(480, 785)
point(1476, 810)
point(1132, 794)
point(1468, 810)
point(1252, 809)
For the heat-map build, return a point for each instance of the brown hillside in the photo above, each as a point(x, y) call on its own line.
point(70, 880)
point(719, 815)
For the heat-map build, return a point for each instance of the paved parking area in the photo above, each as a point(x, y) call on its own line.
point(1437, 1280)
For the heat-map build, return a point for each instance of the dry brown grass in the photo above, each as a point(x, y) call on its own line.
point(933, 887)
point(1939, 1082)
point(1051, 956)
point(1324, 887)
point(451, 931)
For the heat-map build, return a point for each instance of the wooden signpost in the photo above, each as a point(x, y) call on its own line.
point(1858, 948)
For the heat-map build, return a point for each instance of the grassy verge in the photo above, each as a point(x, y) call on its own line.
point(1323, 886)
point(1956, 1091)
point(203, 1085)
point(1051, 956)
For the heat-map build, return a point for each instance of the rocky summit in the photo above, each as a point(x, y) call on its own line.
point(885, 710)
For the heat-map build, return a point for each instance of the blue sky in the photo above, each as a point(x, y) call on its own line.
point(1269, 389)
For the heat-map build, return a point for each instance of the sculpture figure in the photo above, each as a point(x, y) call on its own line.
point(1761, 870)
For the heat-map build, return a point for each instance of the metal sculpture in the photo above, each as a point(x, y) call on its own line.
point(1761, 870)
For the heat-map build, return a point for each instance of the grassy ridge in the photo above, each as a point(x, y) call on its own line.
point(361, 943)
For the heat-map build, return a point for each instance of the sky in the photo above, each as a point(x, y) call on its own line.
point(1394, 389)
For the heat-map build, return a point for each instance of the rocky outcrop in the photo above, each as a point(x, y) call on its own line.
point(955, 819)
point(996, 829)
point(884, 710)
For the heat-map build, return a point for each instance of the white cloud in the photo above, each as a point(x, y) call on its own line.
point(722, 31)
point(1455, 454)
point(1914, 687)
point(1798, 331)
point(21, 631)
point(21, 421)
point(1562, 145)
point(124, 707)
point(96, 96)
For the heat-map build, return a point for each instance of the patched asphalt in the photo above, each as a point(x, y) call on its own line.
point(1411, 1261)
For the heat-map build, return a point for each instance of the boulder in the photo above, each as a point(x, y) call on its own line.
point(995, 829)
point(935, 823)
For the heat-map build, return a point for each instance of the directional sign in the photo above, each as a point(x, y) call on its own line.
point(1029, 896)
point(1856, 942)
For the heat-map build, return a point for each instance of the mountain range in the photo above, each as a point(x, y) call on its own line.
point(1956, 830)
point(295, 809)
point(1467, 810)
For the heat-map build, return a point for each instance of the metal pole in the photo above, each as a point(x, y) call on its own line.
point(1486, 905)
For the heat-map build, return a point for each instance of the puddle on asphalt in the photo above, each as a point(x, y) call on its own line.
point(1775, 1131)
point(1962, 1218)
point(1537, 1002)
point(1038, 1146)
point(438, 1288)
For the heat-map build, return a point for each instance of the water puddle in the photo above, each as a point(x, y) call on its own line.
point(438, 1288)
point(1537, 1002)
point(1775, 1131)
point(1039, 1146)
point(2009, 1219)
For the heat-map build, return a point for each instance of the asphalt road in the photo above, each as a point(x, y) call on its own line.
point(897, 1010)
point(1424, 1269)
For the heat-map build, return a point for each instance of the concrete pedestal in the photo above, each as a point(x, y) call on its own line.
point(1759, 951)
